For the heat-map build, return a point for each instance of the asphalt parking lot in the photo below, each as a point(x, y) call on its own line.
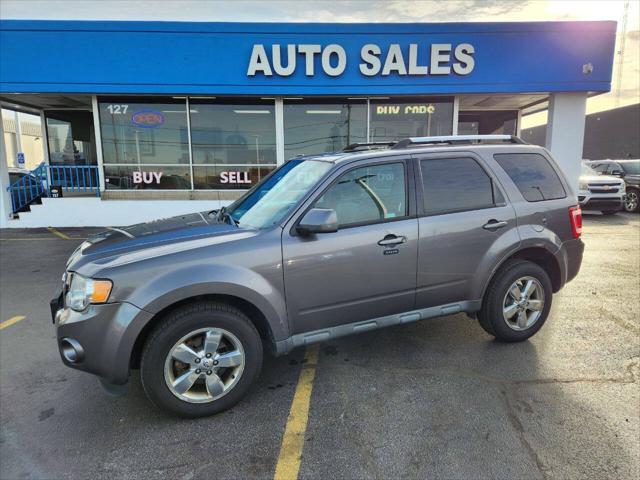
point(435, 399)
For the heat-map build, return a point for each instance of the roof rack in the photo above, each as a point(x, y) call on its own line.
point(367, 146)
point(456, 139)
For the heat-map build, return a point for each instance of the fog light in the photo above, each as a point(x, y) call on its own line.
point(71, 350)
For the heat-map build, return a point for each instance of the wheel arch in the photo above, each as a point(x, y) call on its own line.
point(539, 255)
point(255, 315)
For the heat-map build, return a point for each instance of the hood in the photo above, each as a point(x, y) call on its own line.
point(124, 240)
point(632, 179)
point(606, 179)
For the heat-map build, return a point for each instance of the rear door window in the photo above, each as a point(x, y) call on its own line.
point(533, 175)
point(455, 185)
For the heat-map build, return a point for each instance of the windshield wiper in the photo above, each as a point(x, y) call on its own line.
point(223, 215)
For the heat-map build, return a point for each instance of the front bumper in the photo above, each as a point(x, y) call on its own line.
point(589, 201)
point(106, 335)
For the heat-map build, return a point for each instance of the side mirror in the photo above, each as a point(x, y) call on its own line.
point(318, 220)
point(617, 173)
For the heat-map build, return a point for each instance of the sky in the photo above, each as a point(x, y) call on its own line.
point(626, 72)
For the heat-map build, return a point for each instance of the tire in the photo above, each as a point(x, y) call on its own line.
point(609, 212)
point(238, 344)
point(491, 316)
point(632, 202)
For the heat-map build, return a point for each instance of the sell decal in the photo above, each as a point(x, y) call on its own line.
point(147, 119)
point(235, 177)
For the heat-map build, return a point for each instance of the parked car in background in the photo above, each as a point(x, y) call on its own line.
point(605, 193)
point(25, 192)
point(629, 171)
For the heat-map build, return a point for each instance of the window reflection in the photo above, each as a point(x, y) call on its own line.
point(71, 137)
point(233, 142)
point(498, 122)
point(323, 125)
point(392, 120)
point(233, 132)
point(144, 133)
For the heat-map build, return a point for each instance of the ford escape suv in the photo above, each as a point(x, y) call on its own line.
point(326, 246)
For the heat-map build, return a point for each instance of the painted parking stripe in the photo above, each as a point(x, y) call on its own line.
point(11, 321)
point(58, 233)
point(290, 456)
point(31, 239)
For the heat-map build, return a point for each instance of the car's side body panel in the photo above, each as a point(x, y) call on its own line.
point(456, 253)
point(249, 267)
point(346, 276)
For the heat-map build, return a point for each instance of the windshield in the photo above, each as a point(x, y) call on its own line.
point(269, 201)
point(631, 168)
point(587, 170)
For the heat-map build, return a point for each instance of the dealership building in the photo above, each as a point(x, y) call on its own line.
point(143, 120)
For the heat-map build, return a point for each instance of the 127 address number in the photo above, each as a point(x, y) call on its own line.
point(117, 109)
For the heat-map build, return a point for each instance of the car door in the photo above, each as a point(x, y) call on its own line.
point(464, 225)
point(367, 269)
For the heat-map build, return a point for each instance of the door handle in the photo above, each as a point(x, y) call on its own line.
point(391, 240)
point(494, 224)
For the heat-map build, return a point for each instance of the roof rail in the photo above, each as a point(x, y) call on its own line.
point(455, 139)
point(367, 146)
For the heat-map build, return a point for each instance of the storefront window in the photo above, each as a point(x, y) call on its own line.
point(145, 143)
point(323, 125)
point(71, 137)
point(497, 122)
point(229, 143)
point(395, 119)
point(233, 142)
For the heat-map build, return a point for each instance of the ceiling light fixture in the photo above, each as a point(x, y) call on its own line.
point(324, 112)
point(252, 111)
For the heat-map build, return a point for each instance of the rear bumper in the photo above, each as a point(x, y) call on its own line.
point(570, 259)
point(104, 334)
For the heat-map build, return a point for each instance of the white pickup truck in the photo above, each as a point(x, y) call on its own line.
point(605, 193)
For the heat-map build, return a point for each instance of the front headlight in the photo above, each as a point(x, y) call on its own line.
point(583, 185)
point(84, 291)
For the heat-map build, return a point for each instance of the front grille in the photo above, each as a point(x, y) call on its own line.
point(604, 187)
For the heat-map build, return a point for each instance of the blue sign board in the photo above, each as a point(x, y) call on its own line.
point(20, 156)
point(303, 59)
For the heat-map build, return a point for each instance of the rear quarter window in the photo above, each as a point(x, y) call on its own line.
point(533, 175)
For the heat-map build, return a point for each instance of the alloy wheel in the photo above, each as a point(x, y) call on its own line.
point(523, 303)
point(631, 203)
point(204, 365)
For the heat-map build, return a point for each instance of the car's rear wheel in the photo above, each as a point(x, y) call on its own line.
point(517, 302)
point(201, 359)
point(632, 201)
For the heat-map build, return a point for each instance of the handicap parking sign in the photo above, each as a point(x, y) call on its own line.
point(21, 159)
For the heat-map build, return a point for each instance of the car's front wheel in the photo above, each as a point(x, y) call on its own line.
point(517, 301)
point(632, 202)
point(201, 359)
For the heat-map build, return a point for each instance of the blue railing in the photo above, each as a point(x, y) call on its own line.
point(37, 183)
point(75, 178)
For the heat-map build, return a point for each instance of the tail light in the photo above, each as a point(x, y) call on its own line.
point(575, 215)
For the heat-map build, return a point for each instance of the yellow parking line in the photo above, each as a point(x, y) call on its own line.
point(11, 321)
point(28, 239)
point(290, 456)
point(58, 234)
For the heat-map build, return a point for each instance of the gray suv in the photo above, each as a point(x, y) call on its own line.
point(326, 246)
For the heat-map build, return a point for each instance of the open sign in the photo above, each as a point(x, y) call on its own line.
point(147, 119)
